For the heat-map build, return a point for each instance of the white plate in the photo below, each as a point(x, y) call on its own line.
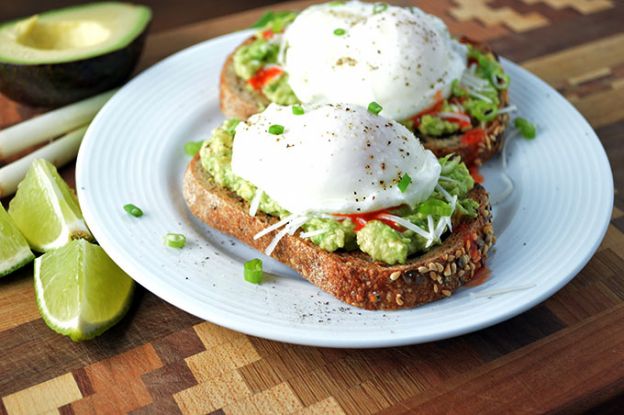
point(133, 152)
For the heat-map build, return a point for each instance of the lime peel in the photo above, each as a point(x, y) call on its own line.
point(80, 291)
point(14, 249)
point(45, 209)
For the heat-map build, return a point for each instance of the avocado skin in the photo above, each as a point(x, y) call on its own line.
point(56, 84)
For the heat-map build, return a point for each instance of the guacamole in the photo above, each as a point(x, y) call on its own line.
point(252, 57)
point(376, 238)
point(431, 125)
point(278, 90)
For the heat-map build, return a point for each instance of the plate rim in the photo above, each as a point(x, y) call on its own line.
point(296, 335)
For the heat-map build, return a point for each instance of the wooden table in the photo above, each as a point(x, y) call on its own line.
point(565, 355)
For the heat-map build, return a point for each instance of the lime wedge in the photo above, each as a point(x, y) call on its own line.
point(80, 291)
point(14, 250)
point(46, 210)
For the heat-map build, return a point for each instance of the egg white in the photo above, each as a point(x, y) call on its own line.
point(333, 159)
point(402, 58)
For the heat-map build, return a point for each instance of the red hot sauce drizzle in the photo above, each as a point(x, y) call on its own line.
point(263, 76)
point(361, 219)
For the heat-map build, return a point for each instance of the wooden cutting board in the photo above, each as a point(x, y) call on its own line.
point(565, 355)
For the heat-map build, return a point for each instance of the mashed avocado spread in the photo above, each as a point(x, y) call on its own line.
point(251, 58)
point(377, 239)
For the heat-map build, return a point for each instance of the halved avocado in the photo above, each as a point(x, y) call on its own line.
point(65, 55)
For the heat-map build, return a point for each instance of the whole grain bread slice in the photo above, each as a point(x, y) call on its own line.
point(239, 101)
point(351, 277)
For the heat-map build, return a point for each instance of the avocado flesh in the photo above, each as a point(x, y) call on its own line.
point(72, 33)
point(65, 55)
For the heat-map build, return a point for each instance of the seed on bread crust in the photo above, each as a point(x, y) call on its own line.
point(399, 300)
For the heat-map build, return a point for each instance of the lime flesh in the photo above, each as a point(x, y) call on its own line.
point(14, 249)
point(80, 291)
point(46, 210)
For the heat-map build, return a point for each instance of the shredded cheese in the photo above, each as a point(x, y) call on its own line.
point(509, 188)
point(255, 202)
point(448, 179)
point(439, 229)
point(296, 224)
point(431, 230)
point(290, 228)
point(271, 247)
point(446, 194)
point(510, 108)
point(509, 184)
point(470, 76)
point(481, 97)
point(507, 140)
point(454, 116)
point(311, 234)
point(406, 224)
point(492, 293)
point(275, 226)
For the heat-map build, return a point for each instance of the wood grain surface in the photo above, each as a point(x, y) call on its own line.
point(566, 355)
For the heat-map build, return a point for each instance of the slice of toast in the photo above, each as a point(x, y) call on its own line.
point(239, 101)
point(236, 99)
point(352, 277)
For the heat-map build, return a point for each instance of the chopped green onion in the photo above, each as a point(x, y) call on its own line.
point(192, 147)
point(339, 32)
point(380, 7)
point(276, 129)
point(458, 90)
point(253, 271)
point(435, 207)
point(487, 63)
point(374, 108)
point(337, 3)
point(405, 181)
point(133, 210)
point(526, 128)
point(481, 110)
point(175, 240)
point(500, 79)
point(297, 110)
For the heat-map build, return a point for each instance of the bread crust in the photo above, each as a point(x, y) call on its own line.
point(351, 277)
point(238, 101)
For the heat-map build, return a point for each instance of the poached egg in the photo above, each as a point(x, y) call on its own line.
point(332, 159)
point(402, 58)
